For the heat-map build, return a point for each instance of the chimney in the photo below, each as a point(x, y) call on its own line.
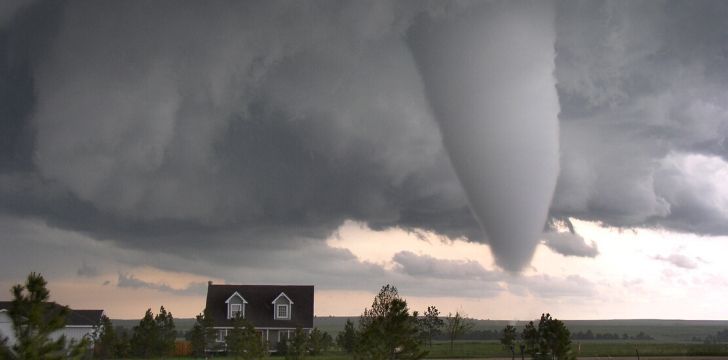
point(209, 283)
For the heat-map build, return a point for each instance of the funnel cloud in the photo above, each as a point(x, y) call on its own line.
point(488, 76)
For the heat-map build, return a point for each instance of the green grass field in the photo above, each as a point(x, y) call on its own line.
point(489, 349)
point(672, 338)
point(484, 349)
point(664, 331)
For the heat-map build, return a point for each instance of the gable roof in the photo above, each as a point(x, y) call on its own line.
point(238, 295)
point(259, 309)
point(285, 296)
point(74, 317)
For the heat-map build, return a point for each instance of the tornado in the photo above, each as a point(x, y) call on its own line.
point(488, 77)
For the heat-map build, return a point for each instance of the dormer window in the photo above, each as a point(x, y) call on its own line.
point(236, 309)
point(282, 311)
point(282, 307)
point(235, 305)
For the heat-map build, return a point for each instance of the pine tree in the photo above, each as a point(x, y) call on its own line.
point(297, 345)
point(202, 336)
point(550, 337)
point(105, 339)
point(145, 337)
point(243, 340)
point(509, 336)
point(123, 345)
point(316, 339)
point(166, 331)
point(347, 338)
point(34, 318)
point(387, 330)
point(326, 341)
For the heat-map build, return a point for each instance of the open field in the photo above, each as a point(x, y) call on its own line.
point(672, 339)
point(664, 331)
point(593, 350)
point(605, 349)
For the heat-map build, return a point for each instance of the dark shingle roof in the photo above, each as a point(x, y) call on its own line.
point(84, 317)
point(74, 317)
point(259, 309)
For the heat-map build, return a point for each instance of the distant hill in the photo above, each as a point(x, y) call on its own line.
point(661, 330)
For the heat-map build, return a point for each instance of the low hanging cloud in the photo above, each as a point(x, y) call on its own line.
point(266, 125)
point(560, 236)
point(570, 244)
point(427, 266)
point(130, 281)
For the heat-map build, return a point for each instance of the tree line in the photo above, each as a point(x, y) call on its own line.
point(588, 335)
point(720, 336)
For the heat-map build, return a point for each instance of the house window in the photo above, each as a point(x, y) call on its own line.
point(282, 312)
point(221, 335)
point(236, 309)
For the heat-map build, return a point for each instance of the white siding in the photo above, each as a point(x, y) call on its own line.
point(73, 333)
point(6, 328)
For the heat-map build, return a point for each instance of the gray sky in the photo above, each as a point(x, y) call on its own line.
point(146, 142)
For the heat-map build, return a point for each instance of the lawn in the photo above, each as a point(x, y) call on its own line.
point(490, 349)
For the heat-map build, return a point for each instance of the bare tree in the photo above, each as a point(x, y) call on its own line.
point(457, 325)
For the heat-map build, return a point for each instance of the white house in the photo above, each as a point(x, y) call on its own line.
point(79, 323)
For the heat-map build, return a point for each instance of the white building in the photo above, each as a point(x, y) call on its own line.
point(79, 323)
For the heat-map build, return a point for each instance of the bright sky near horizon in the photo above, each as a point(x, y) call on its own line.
point(503, 158)
point(640, 273)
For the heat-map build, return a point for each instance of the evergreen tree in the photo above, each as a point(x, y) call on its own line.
point(387, 330)
point(202, 335)
point(326, 341)
point(123, 344)
point(316, 338)
point(530, 338)
point(509, 336)
point(243, 341)
point(297, 345)
point(166, 333)
point(105, 339)
point(145, 337)
point(550, 338)
point(509, 339)
point(34, 318)
point(347, 338)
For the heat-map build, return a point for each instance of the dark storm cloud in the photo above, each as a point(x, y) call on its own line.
point(227, 131)
point(87, 270)
point(642, 83)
